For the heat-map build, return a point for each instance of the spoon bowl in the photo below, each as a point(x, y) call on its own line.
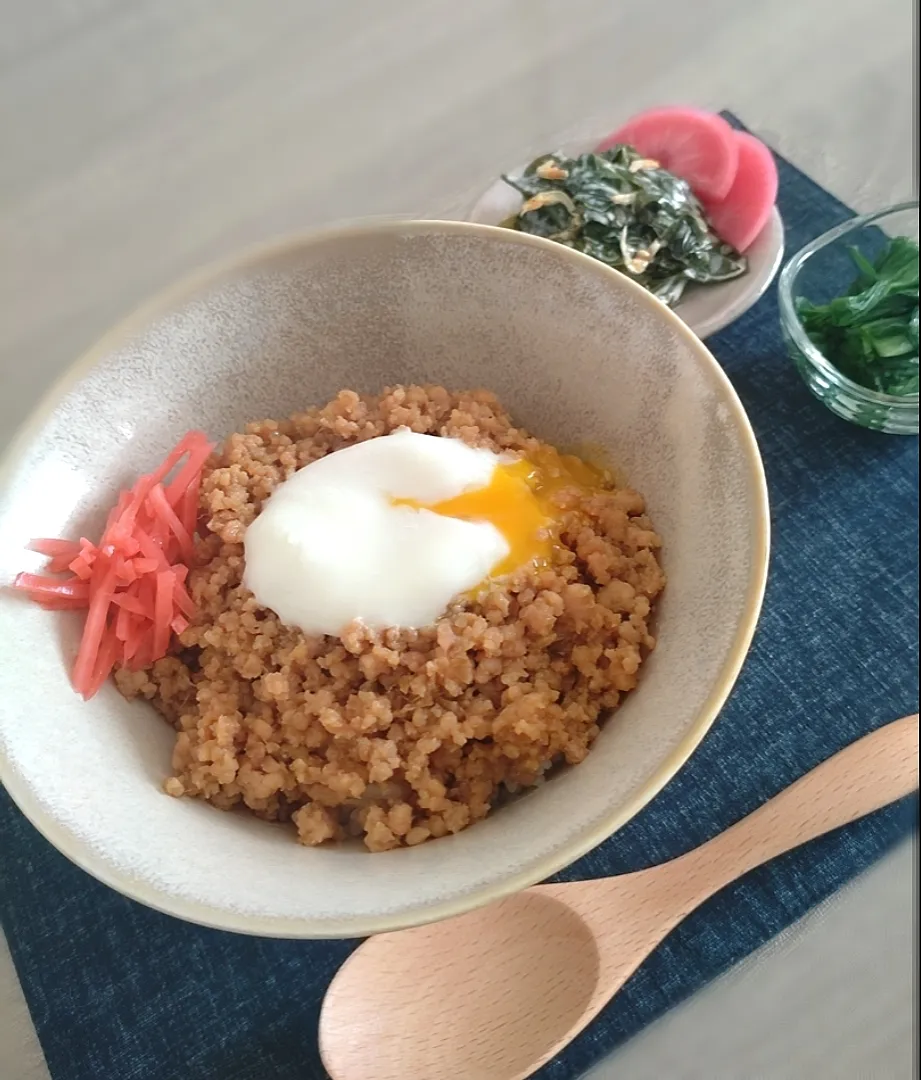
point(530, 1007)
point(502, 989)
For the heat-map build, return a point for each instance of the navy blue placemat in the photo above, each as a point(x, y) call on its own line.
point(118, 992)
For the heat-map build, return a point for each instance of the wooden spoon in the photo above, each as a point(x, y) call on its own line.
point(495, 993)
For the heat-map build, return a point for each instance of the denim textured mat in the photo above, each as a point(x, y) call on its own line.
point(119, 992)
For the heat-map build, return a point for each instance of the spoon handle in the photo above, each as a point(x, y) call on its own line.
point(865, 776)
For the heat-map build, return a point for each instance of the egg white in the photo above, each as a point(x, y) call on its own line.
point(330, 547)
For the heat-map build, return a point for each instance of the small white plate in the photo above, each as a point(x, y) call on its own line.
point(705, 309)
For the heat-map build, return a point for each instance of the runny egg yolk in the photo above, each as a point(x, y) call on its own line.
point(521, 502)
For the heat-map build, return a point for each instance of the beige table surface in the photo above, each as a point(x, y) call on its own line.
point(140, 138)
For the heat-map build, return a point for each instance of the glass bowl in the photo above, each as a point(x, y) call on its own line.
point(822, 270)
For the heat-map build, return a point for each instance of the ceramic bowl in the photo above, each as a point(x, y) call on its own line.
point(579, 353)
point(706, 308)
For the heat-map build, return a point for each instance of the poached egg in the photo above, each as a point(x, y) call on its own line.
point(387, 532)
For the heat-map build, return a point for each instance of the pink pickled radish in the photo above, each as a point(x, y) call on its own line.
point(698, 146)
point(740, 217)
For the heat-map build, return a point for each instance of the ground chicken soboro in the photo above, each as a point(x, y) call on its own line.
point(405, 735)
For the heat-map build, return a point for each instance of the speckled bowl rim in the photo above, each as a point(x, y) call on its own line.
point(80, 853)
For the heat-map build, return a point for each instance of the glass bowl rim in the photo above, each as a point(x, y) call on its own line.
point(791, 321)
